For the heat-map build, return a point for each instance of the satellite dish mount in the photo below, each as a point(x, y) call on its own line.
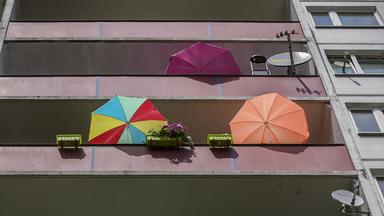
point(346, 59)
point(291, 70)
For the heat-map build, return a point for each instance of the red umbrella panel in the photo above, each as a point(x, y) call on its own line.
point(203, 59)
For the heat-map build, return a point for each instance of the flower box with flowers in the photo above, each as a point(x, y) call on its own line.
point(169, 135)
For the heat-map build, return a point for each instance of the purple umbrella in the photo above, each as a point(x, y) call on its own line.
point(202, 58)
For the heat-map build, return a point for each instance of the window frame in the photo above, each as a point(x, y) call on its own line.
point(359, 61)
point(350, 61)
point(335, 17)
point(355, 64)
point(378, 187)
point(378, 114)
point(362, 12)
point(330, 17)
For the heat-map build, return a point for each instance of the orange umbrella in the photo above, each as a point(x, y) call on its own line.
point(270, 119)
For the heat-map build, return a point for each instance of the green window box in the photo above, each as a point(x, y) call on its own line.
point(72, 140)
point(156, 141)
point(219, 140)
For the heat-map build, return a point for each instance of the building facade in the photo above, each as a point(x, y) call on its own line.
point(61, 60)
point(352, 32)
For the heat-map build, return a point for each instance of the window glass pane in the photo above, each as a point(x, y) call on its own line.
point(380, 181)
point(372, 66)
point(360, 19)
point(365, 121)
point(338, 65)
point(322, 18)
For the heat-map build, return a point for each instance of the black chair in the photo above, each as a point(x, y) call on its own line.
point(258, 59)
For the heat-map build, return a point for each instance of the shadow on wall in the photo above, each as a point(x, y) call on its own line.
point(222, 153)
point(211, 80)
point(175, 156)
point(288, 149)
point(72, 153)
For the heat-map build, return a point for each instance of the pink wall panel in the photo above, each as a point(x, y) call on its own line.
point(293, 158)
point(17, 159)
point(53, 29)
point(48, 86)
point(250, 30)
point(207, 86)
point(143, 159)
point(201, 159)
point(158, 86)
point(155, 30)
point(288, 86)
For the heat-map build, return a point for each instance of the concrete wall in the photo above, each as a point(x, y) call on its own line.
point(2, 4)
point(370, 147)
point(363, 40)
point(353, 40)
point(346, 35)
point(366, 151)
point(38, 121)
point(151, 10)
point(359, 84)
point(169, 195)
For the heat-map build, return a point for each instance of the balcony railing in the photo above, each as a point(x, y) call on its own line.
point(161, 86)
point(251, 159)
point(217, 31)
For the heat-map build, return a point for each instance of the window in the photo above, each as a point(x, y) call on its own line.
point(322, 18)
point(341, 65)
point(368, 118)
point(358, 19)
point(380, 183)
point(357, 64)
point(365, 121)
point(346, 16)
point(371, 65)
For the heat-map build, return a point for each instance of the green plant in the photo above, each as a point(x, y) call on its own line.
point(172, 130)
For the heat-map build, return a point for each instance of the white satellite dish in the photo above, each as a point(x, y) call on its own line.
point(347, 198)
point(284, 60)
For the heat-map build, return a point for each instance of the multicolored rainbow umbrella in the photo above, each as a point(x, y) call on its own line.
point(124, 120)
